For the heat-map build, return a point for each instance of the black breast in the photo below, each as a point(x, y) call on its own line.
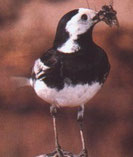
point(85, 66)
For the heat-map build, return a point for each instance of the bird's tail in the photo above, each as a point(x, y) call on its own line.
point(21, 81)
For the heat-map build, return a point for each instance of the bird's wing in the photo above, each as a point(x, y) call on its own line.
point(43, 64)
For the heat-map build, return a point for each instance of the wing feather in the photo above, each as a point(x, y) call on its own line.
point(43, 64)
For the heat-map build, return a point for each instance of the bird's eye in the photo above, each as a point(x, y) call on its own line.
point(84, 17)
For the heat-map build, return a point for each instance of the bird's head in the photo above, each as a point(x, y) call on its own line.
point(75, 28)
point(80, 22)
point(71, 26)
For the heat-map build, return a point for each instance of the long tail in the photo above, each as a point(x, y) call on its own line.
point(21, 81)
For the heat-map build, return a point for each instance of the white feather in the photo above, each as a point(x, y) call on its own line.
point(69, 96)
point(39, 68)
point(39, 65)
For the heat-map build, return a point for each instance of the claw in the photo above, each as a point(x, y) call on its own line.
point(83, 153)
point(62, 153)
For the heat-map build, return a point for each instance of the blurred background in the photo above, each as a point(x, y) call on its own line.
point(27, 29)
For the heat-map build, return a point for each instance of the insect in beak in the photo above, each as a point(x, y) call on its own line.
point(108, 15)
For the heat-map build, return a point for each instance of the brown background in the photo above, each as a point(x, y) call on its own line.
point(27, 29)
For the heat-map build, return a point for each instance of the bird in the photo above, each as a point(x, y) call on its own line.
point(73, 70)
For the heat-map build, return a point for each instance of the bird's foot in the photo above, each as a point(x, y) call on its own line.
point(83, 153)
point(58, 153)
point(63, 153)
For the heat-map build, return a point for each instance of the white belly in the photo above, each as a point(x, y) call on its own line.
point(69, 96)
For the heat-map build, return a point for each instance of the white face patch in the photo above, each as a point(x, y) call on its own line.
point(77, 26)
point(69, 96)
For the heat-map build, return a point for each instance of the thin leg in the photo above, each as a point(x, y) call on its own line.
point(80, 117)
point(53, 111)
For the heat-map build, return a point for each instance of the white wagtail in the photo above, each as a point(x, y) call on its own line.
point(71, 72)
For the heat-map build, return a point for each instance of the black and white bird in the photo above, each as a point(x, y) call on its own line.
point(71, 72)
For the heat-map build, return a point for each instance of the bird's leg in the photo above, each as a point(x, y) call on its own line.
point(80, 117)
point(53, 111)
